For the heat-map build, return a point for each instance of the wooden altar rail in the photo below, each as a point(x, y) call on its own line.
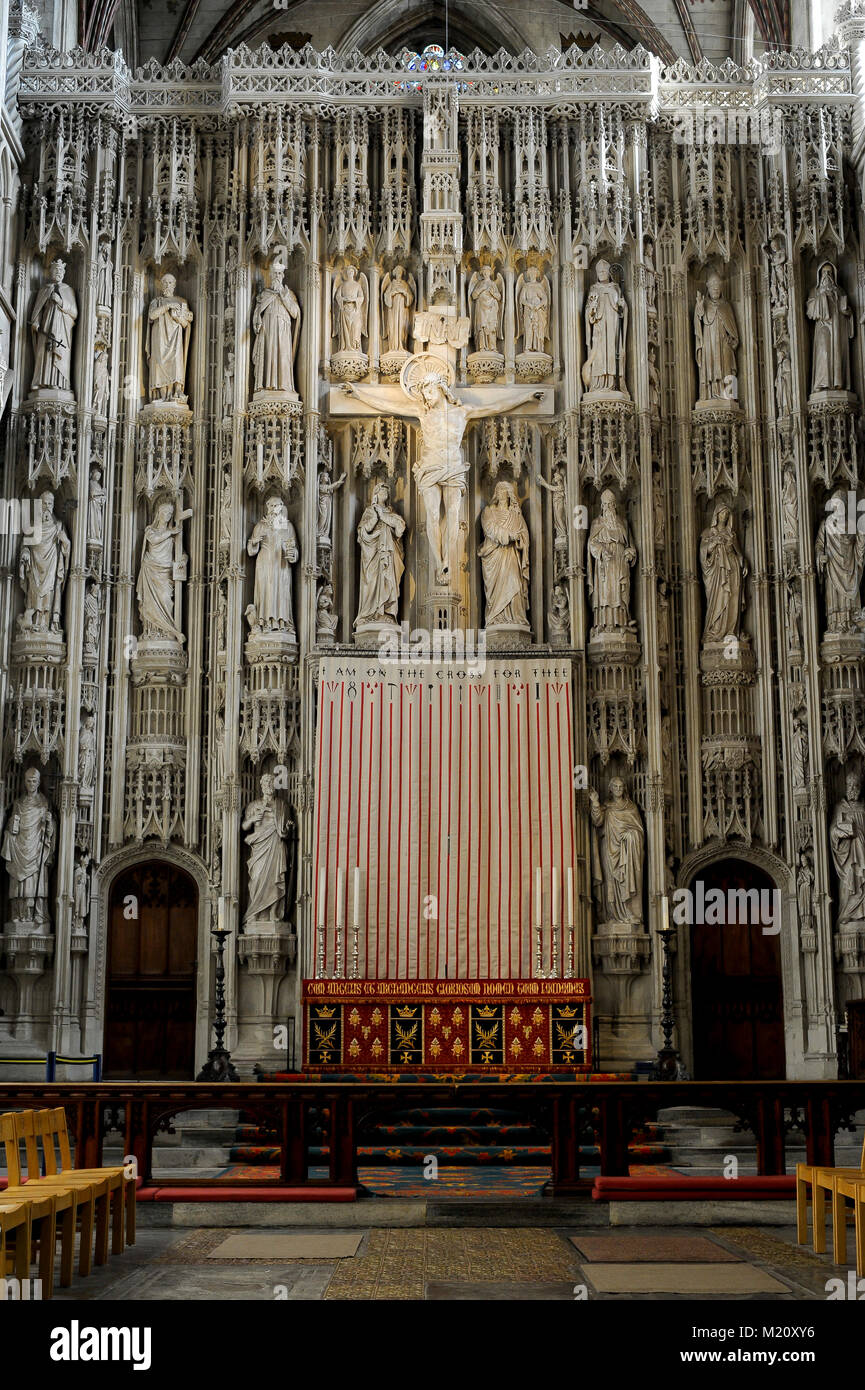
point(301, 1113)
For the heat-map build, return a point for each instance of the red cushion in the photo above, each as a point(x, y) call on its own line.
point(255, 1194)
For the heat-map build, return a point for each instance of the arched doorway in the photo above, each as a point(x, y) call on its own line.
point(736, 995)
point(150, 994)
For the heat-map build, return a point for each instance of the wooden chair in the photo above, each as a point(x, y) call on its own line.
point(820, 1182)
point(854, 1189)
point(89, 1200)
point(121, 1185)
point(14, 1216)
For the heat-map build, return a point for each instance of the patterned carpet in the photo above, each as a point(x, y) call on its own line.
point(507, 1181)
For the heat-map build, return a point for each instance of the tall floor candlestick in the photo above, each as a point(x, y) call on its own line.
point(340, 921)
point(570, 920)
point(355, 931)
point(554, 932)
point(539, 912)
point(322, 881)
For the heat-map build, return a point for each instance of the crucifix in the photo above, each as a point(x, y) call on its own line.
point(426, 394)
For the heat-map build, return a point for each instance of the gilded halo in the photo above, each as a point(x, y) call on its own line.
point(420, 368)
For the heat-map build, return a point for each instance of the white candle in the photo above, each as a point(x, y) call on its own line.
point(340, 897)
point(356, 895)
point(665, 912)
point(220, 914)
point(555, 896)
point(539, 898)
point(570, 896)
point(322, 879)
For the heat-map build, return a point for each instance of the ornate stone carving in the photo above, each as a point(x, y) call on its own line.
point(381, 564)
point(43, 564)
point(716, 339)
point(52, 319)
point(29, 843)
point(276, 329)
point(274, 544)
point(618, 855)
point(611, 553)
point(606, 338)
point(269, 823)
point(504, 557)
point(169, 325)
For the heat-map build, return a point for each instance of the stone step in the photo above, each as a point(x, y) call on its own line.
point(165, 1157)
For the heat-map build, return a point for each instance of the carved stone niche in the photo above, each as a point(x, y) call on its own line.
point(274, 442)
point(35, 717)
point(155, 797)
point(28, 955)
point(607, 441)
point(832, 429)
point(378, 443)
point(718, 456)
point(731, 787)
point(616, 709)
point(843, 694)
point(51, 440)
point(270, 710)
point(164, 447)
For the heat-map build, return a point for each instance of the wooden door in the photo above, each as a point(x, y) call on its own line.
point(150, 1005)
point(736, 997)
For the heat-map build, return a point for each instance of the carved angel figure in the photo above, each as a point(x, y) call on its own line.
point(487, 306)
point(398, 295)
point(350, 308)
point(533, 306)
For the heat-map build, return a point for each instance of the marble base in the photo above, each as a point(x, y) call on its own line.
point(834, 398)
point(373, 634)
point(267, 402)
point(621, 643)
point(719, 657)
point(484, 367)
point(724, 403)
point(50, 395)
point(160, 660)
point(44, 648)
point(271, 645)
point(506, 635)
point(392, 363)
point(839, 647)
point(611, 397)
point(533, 366)
point(349, 366)
point(165, 413)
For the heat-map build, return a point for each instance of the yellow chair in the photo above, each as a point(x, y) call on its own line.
point(72, 1200)
point(121, 1185)
point(820, 1181)
point(854, 1188)
point(14, 1216)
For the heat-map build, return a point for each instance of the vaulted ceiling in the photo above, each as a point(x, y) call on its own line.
point(189, 29)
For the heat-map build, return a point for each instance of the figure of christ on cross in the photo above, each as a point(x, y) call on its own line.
point(443, 416)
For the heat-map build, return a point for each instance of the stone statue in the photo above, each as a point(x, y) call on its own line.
point(847, 839)
point(101, 382)
point(104, 276)
point(833, 328)
point(381, 560)
point(42, 568)
point(663, 616)
point(87, 750)
point(80, 893)
point(654, 379)
point(560, 507)
point(558, 615)
point(651, 277)
point(659, 520)
point(276, 325)
point(169, 321)
point(326, 489)
point(440, 470)
point(269, 823)
point(789, 508)
point(504, 557)
point(533, 308)
point(274, 542)
point(617, 853)
point(840, 555)
point(606, 334)
point(804, 887)
point(717, 339)
point(326, 621)
point(51, 321)
point(611, 554)
point(225, 511)
point(92, 621)
point(799, 749)
point(724, 572)
point(397, 297)
point(778, 260)
point(228, 385)
point(162, 563)
point(350, 309)
point(487, 306)
point(28, 848)
point(97, 496)
point(794, 618)
point(784, 381)
point(219, 749)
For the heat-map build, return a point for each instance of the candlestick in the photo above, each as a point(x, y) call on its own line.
point(322, 882)
point(539, 911)
point(355, 923)
point(340, 920)
point(554, 929)
point(571, 924)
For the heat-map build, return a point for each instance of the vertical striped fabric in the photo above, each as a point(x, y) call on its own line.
point(448, 786)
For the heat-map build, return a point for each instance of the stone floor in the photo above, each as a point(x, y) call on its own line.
point(503, 1262)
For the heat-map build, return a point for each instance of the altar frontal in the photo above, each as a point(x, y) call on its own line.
point(445, 841)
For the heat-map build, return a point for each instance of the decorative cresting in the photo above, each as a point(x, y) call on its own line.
point(393, 348)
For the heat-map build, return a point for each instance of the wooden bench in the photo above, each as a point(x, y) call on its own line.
point(85, 1202)
point(852, 1188)
point(819, 1180)
point(121, 1183)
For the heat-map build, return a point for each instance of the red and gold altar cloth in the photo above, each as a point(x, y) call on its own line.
point(443, 1025)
